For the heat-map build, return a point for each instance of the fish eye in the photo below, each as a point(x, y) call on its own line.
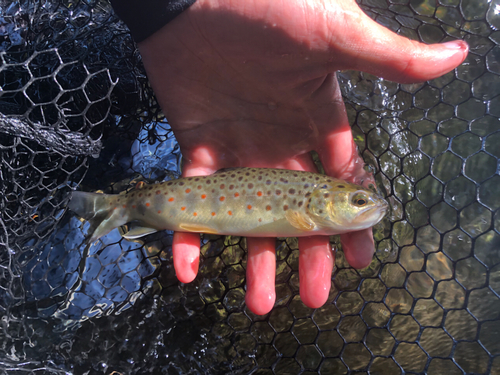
point(359, 200)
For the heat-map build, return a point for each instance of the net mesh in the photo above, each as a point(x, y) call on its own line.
point(76, 110)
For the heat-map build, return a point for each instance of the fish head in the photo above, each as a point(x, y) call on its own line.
point(346, 207)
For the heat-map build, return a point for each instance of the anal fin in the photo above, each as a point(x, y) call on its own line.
point(198, 228)
point(136, 231)
point(300, 220)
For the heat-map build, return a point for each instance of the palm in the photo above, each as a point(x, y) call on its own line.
point(251, 83)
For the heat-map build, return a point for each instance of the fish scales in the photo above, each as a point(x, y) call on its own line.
point(241, 201)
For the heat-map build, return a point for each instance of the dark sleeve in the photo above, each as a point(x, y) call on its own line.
point(145, 17)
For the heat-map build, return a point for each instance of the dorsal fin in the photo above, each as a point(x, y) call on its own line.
point(222, 170)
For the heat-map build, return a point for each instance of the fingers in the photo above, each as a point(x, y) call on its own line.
point(355, 41)
point(341, 159)
point(261, 274)
point(186, 253)
point(315, 269)
point(186, 246)
point(358, 248)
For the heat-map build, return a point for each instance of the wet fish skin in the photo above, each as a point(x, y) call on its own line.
point(253, 202)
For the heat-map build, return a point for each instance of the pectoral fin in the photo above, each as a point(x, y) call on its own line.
point(135, 232)
point(197, 228)
point(300, 220)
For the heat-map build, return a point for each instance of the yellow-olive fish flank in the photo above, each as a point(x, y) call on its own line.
point(253, 202)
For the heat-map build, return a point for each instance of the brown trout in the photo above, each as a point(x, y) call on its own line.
point(253, 202)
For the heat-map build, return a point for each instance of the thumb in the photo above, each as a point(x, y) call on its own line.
point(366, 46)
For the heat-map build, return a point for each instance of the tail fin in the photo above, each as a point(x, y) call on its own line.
point(95, 208)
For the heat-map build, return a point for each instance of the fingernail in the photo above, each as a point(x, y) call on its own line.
point(455, 44)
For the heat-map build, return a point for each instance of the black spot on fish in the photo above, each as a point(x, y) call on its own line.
point(326, 195)
point(268, 182)
point(320, 211)
point(324, 186)
point(308, 194)
point(240, 178)
point(233, 175)
point(300, 204)
point(295, 201)
point(291, 191)
point(306, 186)
point(181, 183)
point(341, 186)
point(208, 182)
point(285, 181)
point(260, 178)
point(170, 183)
point(247, 174)
point(197, 179)
point(250, 186)
point(231, 187)
point(278, 192)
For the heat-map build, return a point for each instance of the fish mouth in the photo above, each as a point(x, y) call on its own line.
point(372, 215)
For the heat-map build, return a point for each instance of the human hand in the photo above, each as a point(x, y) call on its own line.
point(252, 83)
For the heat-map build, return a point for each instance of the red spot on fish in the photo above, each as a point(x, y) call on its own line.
point(159, 211)
point(124, 206)
point(213, 213)
point(183, 208)
point(222, 199)
point(188, 190)
point(249, 206)
point(199, 187)
point(260, 220)
point(259, 193)
point(158, 192)
point(147, 205)
point(222, 186)
point(285, 207)
point(236, 195)
point(229, 213)
point(171, 199)
point(134, 206)
point(195, 214)
point(268, 208)
point(203, 196)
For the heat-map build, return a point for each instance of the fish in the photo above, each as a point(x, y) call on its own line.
point(251, 202)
